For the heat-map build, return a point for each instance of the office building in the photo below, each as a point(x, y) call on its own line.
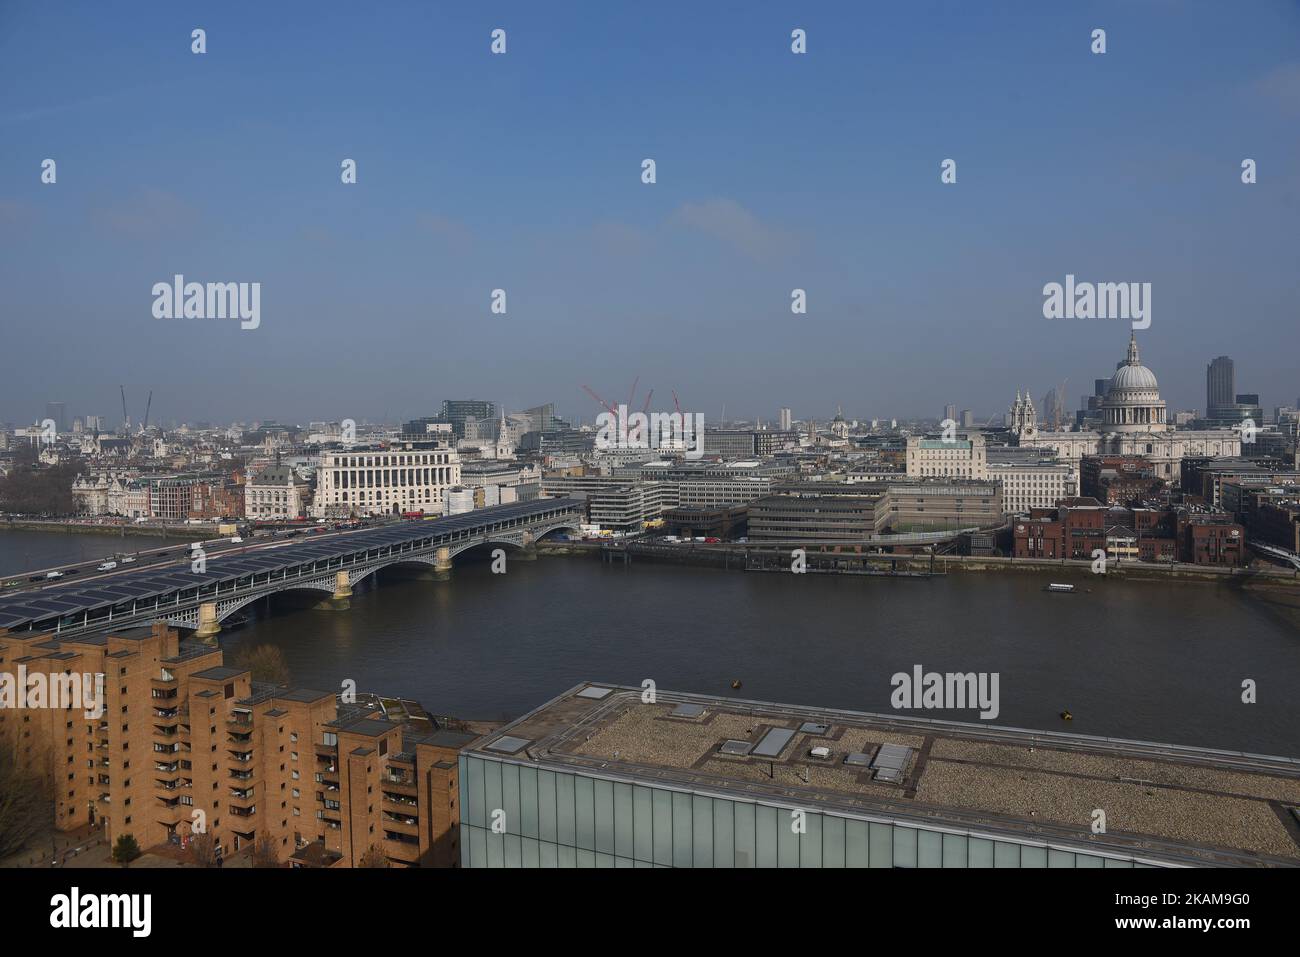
point(626, 508)
point(456, 411)
point(599, 777)
point(964, 457)
point(275, 493)
point(1220, 388)
point(403, 477)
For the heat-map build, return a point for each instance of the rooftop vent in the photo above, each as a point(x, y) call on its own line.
point(812, 727)
point(857, 759)
point(735, 747)
point(688, 711)
point(773, 743)
point(821, 753)
point(507, 744)
point(892, 757)
point(890, 761)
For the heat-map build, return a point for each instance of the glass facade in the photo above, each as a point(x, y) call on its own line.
point(550, 818)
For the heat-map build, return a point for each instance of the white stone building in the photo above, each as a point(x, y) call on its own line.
point(275, 492)
point(1027, 485)
point(405, 477)
point(964, 457)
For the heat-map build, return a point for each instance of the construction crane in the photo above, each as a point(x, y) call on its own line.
point(126, 419)
point(612, 411)
point(144, 427)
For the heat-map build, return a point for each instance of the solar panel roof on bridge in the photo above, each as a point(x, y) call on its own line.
point(23, 608)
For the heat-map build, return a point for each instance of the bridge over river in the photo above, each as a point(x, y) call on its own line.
point(200, 595)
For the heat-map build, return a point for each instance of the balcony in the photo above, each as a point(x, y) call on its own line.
point(406, 788)
point(403, 823)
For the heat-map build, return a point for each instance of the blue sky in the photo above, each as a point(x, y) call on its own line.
point(522, 172)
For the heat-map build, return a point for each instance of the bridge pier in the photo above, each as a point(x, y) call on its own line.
point(209, 627)
point(528, 551)
point(442, 564)
point(340, 600)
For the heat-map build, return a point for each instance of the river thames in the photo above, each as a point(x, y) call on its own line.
point(1152, 661)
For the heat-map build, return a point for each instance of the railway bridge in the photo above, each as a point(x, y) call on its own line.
point(202, 591)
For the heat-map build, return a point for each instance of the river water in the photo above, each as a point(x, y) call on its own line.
point(23, 550)
point(1153, 661)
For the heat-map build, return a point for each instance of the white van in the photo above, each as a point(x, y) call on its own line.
point(107, 566)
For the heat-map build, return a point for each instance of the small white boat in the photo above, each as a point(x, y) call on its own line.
point(1055, 587)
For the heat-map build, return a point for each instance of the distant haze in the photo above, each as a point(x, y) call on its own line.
point(522, 172)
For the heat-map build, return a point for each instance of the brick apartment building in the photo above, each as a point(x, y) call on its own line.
point(1118, 479)
point(181, 733)
point(1080, 526)
point(1278, 523)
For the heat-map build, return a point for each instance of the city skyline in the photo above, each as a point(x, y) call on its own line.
point(588, 416)
point(819, 172)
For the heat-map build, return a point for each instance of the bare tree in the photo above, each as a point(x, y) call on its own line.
point(265, 853)
point(203, 849)
point(373, 857)
point(26, 804)
point(266, 662)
